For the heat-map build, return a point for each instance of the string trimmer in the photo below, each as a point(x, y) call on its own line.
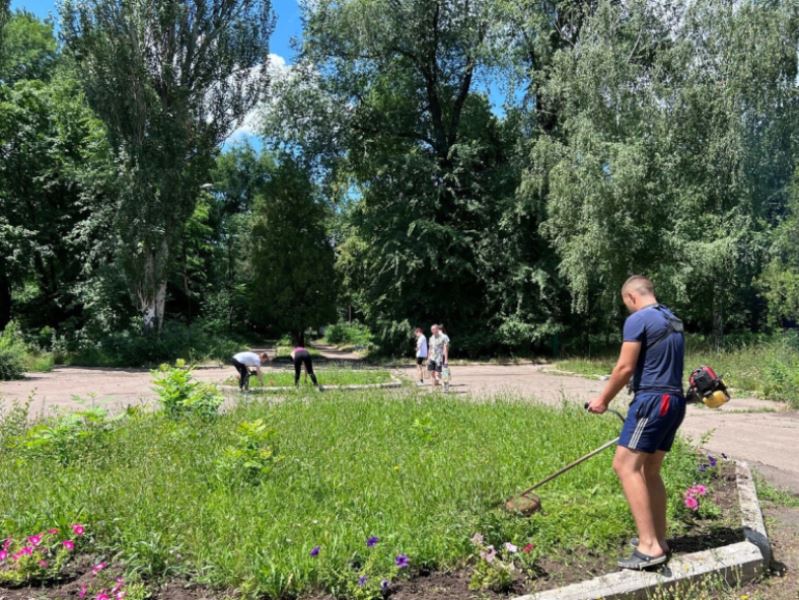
point(526, 503)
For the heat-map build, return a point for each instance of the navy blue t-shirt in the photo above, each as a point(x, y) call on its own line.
point(660, 363)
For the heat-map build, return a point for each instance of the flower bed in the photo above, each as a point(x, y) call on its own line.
point(357, 496)
point(285, 377)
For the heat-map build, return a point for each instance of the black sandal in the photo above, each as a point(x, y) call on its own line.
point(639, 561)
point(634, 543)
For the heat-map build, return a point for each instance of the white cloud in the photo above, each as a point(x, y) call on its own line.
point(250, 125)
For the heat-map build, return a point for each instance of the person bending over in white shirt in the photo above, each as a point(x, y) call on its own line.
point(244, 361)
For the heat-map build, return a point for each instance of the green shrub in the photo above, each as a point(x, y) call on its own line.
point(179, 394)
point(354, 334)
point(132, 347)
point(251, 458)
point(12, 353)
point(394, 338)
point(66, 438)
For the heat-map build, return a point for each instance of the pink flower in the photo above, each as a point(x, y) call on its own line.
point(691, 503)
point(477, 539)
point(78, 529)
point(102, 596)
point(43, 564)
point(489, 554)
point(528, 548)
point(511, 548)
point(120, 596)
point(698, 490)
point(83, 591)
point(7, 543)
point(3, 555)
point(26, 550)
point(35, 540)
point(120, 583)
point(69, 545)
point(98, 567)
point(53, 531)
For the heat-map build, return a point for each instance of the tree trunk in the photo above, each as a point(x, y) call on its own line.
point(152, 290)
point(5, 298)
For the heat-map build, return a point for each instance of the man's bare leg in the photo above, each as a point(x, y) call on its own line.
point(657, 494)
point(630, 467)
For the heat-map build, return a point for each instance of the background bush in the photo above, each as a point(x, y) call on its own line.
point(131, 347)
point(353, 333)
point(18, 356)
point(394, 338)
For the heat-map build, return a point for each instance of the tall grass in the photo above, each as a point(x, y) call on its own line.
point(768, 368)
point(422, 474)
point(284, 377)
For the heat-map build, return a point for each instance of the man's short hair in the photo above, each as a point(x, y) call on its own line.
point(638, 283)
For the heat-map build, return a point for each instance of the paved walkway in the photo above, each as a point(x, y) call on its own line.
point(742, 429)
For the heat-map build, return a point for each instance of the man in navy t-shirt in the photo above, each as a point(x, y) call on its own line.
point(652, 354)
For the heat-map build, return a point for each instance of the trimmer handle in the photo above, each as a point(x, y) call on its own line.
point(615, 412)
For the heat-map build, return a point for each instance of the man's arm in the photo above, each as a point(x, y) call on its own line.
point(260, 375)
point(446, 353)
point(624, 369)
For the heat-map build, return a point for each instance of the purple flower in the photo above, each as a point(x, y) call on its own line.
point(372, 541)
point(702, 468)
point(712, 460)
point(315, 551)
point(384, 585)
point(362, 580)
point(402, 561)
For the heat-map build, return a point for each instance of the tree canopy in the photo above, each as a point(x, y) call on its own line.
point(499, 166)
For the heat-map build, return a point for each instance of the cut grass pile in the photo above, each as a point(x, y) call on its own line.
point(421, 474)
point(769, 369)
point(283, 377)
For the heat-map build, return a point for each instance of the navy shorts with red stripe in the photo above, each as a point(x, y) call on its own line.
point(652, 421)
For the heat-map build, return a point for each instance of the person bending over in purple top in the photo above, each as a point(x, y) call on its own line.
point(300, 356)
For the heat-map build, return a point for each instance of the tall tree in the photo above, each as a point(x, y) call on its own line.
point(4, 14)
point(53, 161)
point(28, 48)
point(291, 286)
point(432, 165)
point(629, 183)
point(170, 78)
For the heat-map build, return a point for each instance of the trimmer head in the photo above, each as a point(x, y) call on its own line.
point(524, 504)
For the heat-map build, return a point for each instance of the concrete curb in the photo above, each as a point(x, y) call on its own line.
point(287, 388)
point(735, 563)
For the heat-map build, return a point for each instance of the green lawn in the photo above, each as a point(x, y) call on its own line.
point(284, 377)
point(422, 474)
